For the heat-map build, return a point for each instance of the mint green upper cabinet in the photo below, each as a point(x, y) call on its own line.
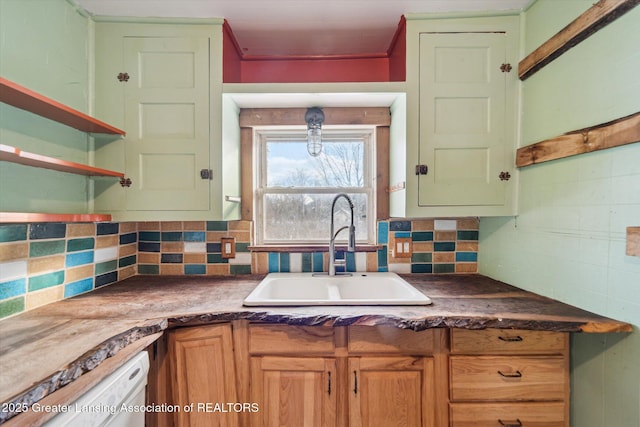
point(170, 105)
point(461, 117)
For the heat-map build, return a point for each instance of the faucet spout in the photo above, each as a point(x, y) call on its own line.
point(332, 237)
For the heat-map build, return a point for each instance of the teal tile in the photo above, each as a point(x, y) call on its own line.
point(105, 267)
point(78, 258)
point(421, 268)
point(216, 259)
point(149, 236)
point(46, 280)
point(402, 234)
point(79, 287)
point(240, 269)
point(13, 288)
point(383, 232)
point(444, 246)
point(13, 232)
point(148, 269)
point(50, 247)
point(444, 268)
point(468, 235)
point(127, 261)
point(216, 225)
point(171, 236)
point(11, 306)
point(382, 257)
point(75, 245)
point(307, 262)
point(466, 256)
point(195, 269)
point(284, 262)
point(47, 230)
point(421, 257)
point(422, 236)
point(242, 247)
point(274, 262)
point(318, 262)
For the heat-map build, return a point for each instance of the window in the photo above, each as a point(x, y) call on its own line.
point(294, 191)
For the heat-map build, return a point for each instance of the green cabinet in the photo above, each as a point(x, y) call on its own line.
point(162, 83)
point(461, 117)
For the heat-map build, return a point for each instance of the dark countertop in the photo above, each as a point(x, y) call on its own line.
point(44, 349)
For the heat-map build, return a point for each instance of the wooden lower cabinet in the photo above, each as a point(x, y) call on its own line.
point(203, 373)
point(391, 391)
point(530, 414)
point(294, 391)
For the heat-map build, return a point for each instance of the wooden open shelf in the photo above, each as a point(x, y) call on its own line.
point(20, 97)
point(10, 217)
point(15, 155)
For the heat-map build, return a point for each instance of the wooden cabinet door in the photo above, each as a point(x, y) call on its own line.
point(294, 391)
point(204, 372)
point(391, 391)
point(167, 122)
point(462, 119)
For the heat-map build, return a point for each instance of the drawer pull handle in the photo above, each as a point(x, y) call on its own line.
point(516, 374)
point(511, 339)
point(517, 423)
point(355, 382)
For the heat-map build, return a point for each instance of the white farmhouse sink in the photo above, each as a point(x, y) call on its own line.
point(287, 289)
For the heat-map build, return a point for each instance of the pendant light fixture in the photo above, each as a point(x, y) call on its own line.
point(314, 118)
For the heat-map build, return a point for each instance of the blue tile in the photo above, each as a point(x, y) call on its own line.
point(194, 236)
point(274, 262)
point(149, 236)
point(444, 246)
point(13, 288)
point(195, 269)
point(421, 268)
point(105, 228)
point(78, 258)
point(422, 236)
point(214, 247)
point(466, 256)
point(47, 230)
point(148, 247)
point(79, 287)
point(402, 234)
point(383, 232)
point(318, 262)
point(383, 269)
point(128, 238)
point(106, 279)
point(400, 226)
point(171, 258)
point(284, 262)
point(351, 261)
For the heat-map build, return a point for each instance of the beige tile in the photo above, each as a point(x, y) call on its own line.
point(107, 241)
point(444, 257)
point(422, 225)
point(126, 250)
point(171, 269)
point(78, 273)
point(172, 247)
point(445, 236)
point(468, 224)
point(422, 246)
point(239, 225)
point(128, 227)
point(260, 262)
point(372, 261)
point(149, 226)
point(195, 225)
point(149, 258)
point(218, 269)
point(214, 236)
point(128, 271)
point(467, 267)
point(241, 236)
point(11, 251)
point(465, 246)
point(44, 296)
point(81, 230)
point(193, 258)
point(171, 226)
point(45, 264)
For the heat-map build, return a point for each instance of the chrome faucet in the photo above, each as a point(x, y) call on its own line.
point(352, 237)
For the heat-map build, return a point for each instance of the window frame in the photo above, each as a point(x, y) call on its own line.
point(263, 134)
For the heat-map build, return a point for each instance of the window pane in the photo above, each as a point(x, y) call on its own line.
point(307, 217)
point(341, 164)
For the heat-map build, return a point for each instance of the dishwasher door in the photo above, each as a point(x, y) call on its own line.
point(103, 404)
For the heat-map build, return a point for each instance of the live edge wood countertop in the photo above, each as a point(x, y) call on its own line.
point(46, 348)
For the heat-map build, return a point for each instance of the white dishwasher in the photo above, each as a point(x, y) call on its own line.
point(116, 401)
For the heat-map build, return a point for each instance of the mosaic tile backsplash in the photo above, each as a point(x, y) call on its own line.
point(46, 262)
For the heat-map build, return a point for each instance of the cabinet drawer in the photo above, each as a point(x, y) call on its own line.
point(287, 339)
point(386, 339)
point(507, 341)
point(548, 414)
point(507, 378)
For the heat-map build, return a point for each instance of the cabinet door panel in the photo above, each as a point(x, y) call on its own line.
point(462, 119)
point(391, 391)
point(167, 122)
point(294, 391)
point(548, 414)
point(204, 372)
